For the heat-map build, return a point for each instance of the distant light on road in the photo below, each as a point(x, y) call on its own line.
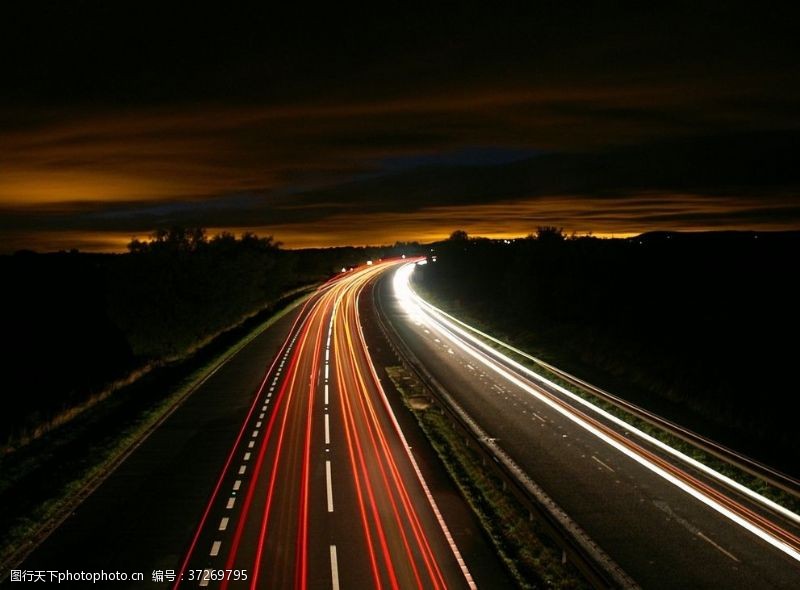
point(344, 269)
point(369, 262)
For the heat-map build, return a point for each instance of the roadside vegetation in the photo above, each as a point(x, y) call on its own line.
point(78, 327)
point(690, 326)
point(98, 349)
point(45, 480)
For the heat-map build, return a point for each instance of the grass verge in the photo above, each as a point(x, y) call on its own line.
point(532, 559)
point(753, 482)
point(43, 482)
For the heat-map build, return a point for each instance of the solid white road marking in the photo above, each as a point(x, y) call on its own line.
point(603, 464)
point(513, 373)
point(726, 553)
point(223, 524)
point(329, 485)
point(440, 519)
point(215, 548)
point(334, 569)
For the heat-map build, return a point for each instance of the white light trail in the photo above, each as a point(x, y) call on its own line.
point(422, 312)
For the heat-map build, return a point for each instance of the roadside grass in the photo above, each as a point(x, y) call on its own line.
point(533, 560)
point(753, 482)
point(67, 464)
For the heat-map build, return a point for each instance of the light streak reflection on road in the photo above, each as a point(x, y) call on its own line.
point(270, 526)
point(422, 312)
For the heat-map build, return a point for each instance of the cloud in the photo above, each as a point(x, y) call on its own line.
point(116, 123)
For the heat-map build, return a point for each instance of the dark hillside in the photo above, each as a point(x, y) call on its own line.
point(74, 323)
point(58, 339)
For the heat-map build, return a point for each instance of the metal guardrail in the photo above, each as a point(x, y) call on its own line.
point(589, 559)
point(769, 475)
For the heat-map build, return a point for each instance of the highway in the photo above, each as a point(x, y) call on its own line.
point(667, 521)
point(320, 488)
point(289, 467)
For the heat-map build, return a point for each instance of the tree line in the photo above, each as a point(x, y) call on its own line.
point(691, 325)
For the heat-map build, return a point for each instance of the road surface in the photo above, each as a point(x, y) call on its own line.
point(288, 468)
point(320, 489)
point(667, 523)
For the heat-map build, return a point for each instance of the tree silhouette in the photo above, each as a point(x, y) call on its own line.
point(549, 233)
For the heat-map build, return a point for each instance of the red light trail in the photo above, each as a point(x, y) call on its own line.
point(281, 532)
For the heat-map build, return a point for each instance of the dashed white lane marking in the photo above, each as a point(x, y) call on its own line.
point(329, 486)
point(261, 416)
point(334, 569)
point(721, 550)
point(327, 429)
point(603, 464)
point(237, 484)
point(242, 469)
point(258, 424)
point(251, 444)
point(223, 524)
point(215, 548)
point(326, 394)
point(231, 502)
point(206, 578)
point(327, 369)
point(264, 408)
point(255, 433)
point(538, 416)
point(247, 456)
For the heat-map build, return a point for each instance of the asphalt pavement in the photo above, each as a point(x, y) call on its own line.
point(661, 536)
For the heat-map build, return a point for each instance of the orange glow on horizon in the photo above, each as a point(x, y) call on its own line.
point(603, 218)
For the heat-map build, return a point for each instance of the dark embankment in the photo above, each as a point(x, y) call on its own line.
point(701, 328)
point(74, 324)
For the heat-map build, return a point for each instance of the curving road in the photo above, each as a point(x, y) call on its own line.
point(666, 520)
point(320, 488)
point(289, 467)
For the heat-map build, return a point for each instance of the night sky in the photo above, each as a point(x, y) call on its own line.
point(335, 127)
